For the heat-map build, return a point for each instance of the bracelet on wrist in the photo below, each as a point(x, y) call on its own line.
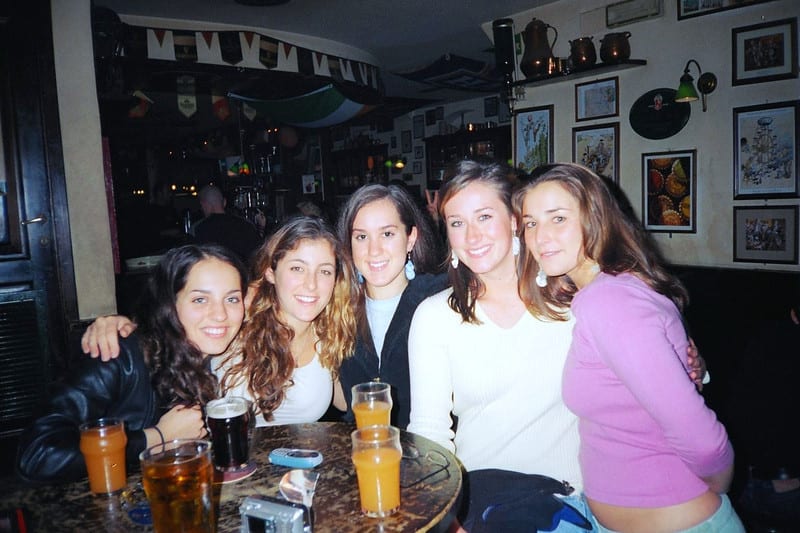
point(161, 435)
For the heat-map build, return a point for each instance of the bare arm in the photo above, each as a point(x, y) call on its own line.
point(338, 396)
point(101, 338)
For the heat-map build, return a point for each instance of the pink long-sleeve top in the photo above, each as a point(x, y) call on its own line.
point(647, 436)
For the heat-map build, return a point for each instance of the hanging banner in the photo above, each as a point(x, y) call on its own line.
point(220, 107)
point(187, 98)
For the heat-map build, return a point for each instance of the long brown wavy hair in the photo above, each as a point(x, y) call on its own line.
point(179, 371)
point(467, 286)
point(611, 237)
point(261, 353)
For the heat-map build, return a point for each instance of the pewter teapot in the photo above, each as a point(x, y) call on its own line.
point(538, 50)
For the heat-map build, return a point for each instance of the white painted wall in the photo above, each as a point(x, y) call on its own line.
point(666, 44)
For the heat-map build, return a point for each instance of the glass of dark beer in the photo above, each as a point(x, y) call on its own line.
point(230, 421)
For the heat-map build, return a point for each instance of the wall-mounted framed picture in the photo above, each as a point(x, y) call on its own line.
point(765, 158)
point(419, 126)
point(597, 147)
point(419, 152)
point(405, 141)
point(765, 234)
point(627, 11)
point(765, 52)
point(417, 167)
point(533, 137)
point(669, 190)
point(597, 99)
point(695, 8)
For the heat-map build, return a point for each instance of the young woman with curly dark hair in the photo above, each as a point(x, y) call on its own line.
point(192, 308)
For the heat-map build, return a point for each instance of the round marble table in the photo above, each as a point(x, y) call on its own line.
point(430, 489)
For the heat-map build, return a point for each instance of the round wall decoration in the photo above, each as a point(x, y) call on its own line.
point(656, 115)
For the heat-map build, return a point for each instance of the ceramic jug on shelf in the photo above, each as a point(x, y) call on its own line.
point(614, 47)
point(582, 53)
point(538, 49)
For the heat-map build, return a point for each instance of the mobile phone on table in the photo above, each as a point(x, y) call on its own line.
point(295, 457)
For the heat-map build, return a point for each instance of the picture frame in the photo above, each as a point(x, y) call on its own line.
point(418, 123)
point(419, 152)
point(430, 117)
point(669, 203)
point(764, 52)
point(405, 141)
point(597, 99)
point(765, 158)
point(417, 167)
point(627, 11)
point(597, 147)
point(696, 8)
point(765, 234)
point(532, 137)
point(490, 106)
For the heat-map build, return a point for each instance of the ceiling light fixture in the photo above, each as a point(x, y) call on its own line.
point(706, 84)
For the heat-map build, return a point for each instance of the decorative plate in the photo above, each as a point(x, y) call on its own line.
point(656, 115)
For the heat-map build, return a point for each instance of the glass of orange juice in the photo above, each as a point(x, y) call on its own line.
point(376, 456)
point(103, 444)
point(372, 404)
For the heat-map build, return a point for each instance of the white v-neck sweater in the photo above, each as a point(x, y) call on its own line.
point(504, 385)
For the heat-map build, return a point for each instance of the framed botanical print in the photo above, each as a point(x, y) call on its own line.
point(765, 158)
point(669, 188)
point(533, 137)
point(597, 147)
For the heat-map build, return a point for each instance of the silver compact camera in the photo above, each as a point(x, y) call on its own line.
point(263, 514)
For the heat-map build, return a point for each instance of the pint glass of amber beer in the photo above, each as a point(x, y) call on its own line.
point(103, 444)
point(178, 479)
point(372, 404)
point(376, 456)
point(230, 422)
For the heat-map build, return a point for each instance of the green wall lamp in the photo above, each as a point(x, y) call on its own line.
point(706, 84)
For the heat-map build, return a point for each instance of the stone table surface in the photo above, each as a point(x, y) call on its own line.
point(429, 493)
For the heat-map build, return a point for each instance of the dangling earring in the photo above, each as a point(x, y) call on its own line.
point(515, 245)
point(454, 260)
point(541, 278)
point(359, 277)
point(409, 268)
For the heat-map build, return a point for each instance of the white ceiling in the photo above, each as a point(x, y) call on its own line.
point(401, 34)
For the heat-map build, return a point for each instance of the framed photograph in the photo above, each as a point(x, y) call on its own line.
point(627, 11)
point(419, 152)
point(695, 8)
point(419, 126)
point(597, 147)
point(417, 168)
point(765, 52)
point(765, 159)
point(490, 106)
point(405, 141)
point(669, 187)
point(533, 137)
point(765, 234)
point(597, 99)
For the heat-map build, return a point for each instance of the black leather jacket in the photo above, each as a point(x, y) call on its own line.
point(362, 366)
point(49, 449)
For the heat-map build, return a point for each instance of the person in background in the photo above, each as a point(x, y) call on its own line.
point(764, 407)
point(220, 227)
point(653, 456)
point(192, 309)
point(392, 247)
point(300, 326)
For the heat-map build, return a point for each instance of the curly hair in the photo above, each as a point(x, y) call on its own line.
point(261, 354)
point(179, 371)
point(467, 286)
point(612, 237)
point(423, 254)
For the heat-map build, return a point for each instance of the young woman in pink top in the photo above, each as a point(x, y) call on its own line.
point(654, 458)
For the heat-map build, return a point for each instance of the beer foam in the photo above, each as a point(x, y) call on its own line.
point(226, 409)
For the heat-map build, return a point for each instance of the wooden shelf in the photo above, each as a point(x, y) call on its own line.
point(594, 70)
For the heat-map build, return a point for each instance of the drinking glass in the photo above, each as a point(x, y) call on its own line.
point(372, 404)
point(230, 422)
point(103, 444)
point(178, 478)
point(376, 456)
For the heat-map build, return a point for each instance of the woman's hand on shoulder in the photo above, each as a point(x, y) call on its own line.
point(101, 338)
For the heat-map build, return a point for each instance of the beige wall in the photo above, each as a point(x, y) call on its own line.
point(666, 44)
point(83, 157)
